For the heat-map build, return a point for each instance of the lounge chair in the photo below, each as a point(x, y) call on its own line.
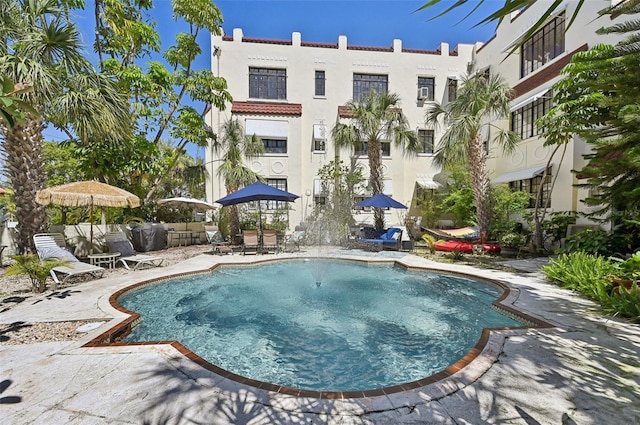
point(52, 245)
point(292, 241)
point(270, 241)
point(250, 241)
point(118, 242)
point(390, 239)
point(220, 246)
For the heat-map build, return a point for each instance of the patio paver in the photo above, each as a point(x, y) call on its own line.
point(586, 370)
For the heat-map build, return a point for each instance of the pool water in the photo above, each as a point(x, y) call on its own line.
point(319, 324)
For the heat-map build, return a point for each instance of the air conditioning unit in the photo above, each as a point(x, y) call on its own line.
point(423, 93)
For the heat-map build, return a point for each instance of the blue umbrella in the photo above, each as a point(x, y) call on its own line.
point(380, 201)
point(257, 191)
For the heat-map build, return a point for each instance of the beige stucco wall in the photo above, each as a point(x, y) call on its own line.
point(300, 165)
point(531, 152)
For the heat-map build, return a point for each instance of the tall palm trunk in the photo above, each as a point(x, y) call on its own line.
point(480, 185)
point(24, 169)
point(376, 178)
point(234, 218)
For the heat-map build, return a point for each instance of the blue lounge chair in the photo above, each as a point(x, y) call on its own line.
point(390, 239)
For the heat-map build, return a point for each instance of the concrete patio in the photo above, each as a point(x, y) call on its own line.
point(585, 370)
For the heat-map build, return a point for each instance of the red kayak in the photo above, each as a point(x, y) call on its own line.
point(467, 247)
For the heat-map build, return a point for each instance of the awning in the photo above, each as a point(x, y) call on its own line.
point(318, 190)
point(525, 174)
point(426, 181)
point(530, 99)
point(267, 128)
point(320, 132)
point(387, 187)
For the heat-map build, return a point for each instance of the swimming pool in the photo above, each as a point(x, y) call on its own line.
point(323, 325)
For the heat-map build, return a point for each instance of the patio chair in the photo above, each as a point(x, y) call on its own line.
point(53, 245)
point(269, 241)
point(118, 242)
point(250, 241)
point(293, 240)
point(220, 246)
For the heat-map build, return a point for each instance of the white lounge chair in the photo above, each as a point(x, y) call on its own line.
point(52, 245)
point(118, 242)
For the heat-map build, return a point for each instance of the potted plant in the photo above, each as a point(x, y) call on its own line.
point(37, 271)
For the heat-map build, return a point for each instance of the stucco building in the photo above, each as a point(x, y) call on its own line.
point(292, 92)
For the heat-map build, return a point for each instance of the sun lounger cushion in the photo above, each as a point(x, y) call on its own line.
point(56, 252)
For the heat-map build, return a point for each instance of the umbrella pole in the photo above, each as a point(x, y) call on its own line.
point(91, 229)
point(260, 222)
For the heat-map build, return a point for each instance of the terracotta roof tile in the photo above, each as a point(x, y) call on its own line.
point(346, 112)
point(266, 108)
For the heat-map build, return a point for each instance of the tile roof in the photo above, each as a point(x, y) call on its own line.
point(266, 108)
point(346, 112)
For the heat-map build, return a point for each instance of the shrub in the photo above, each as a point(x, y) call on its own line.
point(590, 275)
point(591, 241)
point(513, 240)
point(582, 272)
point(37, 271)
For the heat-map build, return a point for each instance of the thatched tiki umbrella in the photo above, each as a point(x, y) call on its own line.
point(88, 193)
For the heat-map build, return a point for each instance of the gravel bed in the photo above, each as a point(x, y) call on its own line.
point(17, 289)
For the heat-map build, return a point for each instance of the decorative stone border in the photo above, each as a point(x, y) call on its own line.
point(461, 373)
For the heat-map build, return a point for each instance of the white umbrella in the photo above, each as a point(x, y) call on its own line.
point(192, 203)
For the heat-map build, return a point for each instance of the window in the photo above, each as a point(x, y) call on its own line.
point(531, 186)
point(320, 83)
point(319, 145)
point(319, 137)
point(364, 83)
point(452, 89)
point(357, 199)
point(274, 205)
point(274, 145)
point(362, 149)
point(425, 138)
point(429, 84)
point(545, 45)
point(267, 83)
point(523, 120)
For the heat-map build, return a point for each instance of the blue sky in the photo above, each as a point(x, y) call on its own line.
point(364, 22)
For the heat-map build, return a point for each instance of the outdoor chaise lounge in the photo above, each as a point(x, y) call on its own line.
point(52, 245)
point(220, 246)
point(389, 239)
point(250, 241)
point(118, 242)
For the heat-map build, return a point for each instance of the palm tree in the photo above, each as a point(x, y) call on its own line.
point(481, 100)
point(375, 119)
point(40, 47)
point(234, 147)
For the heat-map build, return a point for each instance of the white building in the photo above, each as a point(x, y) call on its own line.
point(290, 93)
point(531, 71)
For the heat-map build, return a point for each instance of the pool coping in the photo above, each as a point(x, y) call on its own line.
point(459, 374)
